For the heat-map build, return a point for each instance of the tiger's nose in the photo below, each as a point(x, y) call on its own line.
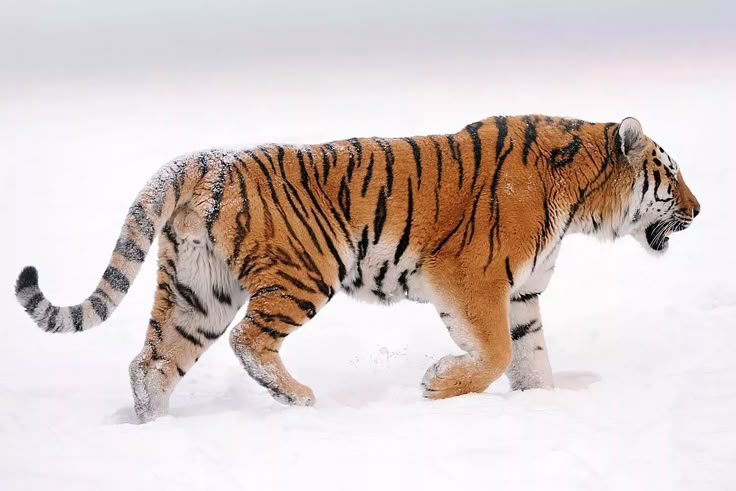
point(696, 211)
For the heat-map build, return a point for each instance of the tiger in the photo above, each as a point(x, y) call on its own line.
point(470, 222)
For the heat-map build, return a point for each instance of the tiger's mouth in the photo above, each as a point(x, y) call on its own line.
point(658, 233)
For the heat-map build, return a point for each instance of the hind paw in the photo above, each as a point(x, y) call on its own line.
point(295, 396)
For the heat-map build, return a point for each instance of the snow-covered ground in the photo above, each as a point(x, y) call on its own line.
point(642, 347)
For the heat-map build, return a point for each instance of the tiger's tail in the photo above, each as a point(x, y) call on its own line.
point(167, 189)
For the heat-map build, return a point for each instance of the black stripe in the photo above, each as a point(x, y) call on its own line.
point(325, 165)
point(294, 281)
point(389, 155)
point(323, 287)
point(145, 225)
point(657, 183)
point(404, 242)
point(417, 159)
point(190, 297)
point(378, 280)
point(33, 302)
point(380, 217)
point(381, 275)
point(51, 323)
point(221, 295)
point(76, 315)
point(333, 251)
point(178, 169)
point(522, 330)
point(525, 297)
point(265, 151)
point(351, 165)
point(452, 232)
point(155, 356)
point(99, 307)
point(331, 147)
point(367, 178)
point(266, 290)
point(171, 236)
point(509, 275)
point(438, 187)
point(562, 156)
point(265, 329)
point(402, 281)
point(363, 244)
point(118, 281)
point(472, 130)
point(156, 328)
point(305, 258)
point(282, 256)
point(267, 217)
point(358, 149)
point(187, 336)
point(202, 165)
point(242, 220)
point(129, 250)
point(502, 128)
point(102, 293)
point(530, 137)
point(211, 335)
point(546, 225)
point(645, 184)
point(307, 306)
point(343, 197)
point(470, 226)
point(279, 317)
point(438, 154)
point(457, 156)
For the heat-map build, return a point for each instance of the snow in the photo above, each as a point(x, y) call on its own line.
point(641, 347)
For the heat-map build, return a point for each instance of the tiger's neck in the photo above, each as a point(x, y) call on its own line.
point(603, 183)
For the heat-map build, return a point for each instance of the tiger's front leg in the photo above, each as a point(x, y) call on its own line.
point(476, 316)
point(530, 367)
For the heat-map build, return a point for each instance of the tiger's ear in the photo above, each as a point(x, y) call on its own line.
point(632, 138)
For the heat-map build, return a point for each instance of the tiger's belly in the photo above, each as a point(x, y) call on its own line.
point(379, 278)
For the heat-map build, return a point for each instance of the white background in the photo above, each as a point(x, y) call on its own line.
point(94, 98)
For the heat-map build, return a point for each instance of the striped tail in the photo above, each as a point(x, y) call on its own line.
point(152, 208)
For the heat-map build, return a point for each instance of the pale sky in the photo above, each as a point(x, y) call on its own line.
point(85, 36)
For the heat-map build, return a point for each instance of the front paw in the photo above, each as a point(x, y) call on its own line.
point(453, 376)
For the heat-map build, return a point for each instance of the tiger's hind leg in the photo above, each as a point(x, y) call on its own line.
point(275, 310)
point(196, 300)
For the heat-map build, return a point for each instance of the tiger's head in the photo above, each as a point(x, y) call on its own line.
point(661, 202)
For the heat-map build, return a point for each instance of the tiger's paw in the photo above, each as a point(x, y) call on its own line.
point(300, 395)
point(453, 376)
